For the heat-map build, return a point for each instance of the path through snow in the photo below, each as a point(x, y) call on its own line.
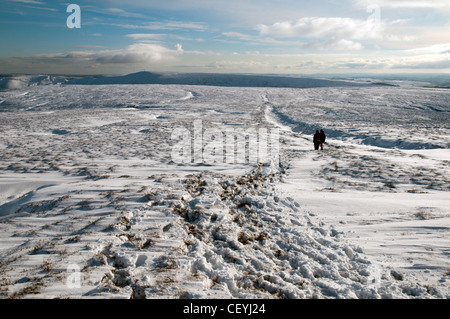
point(105, 212)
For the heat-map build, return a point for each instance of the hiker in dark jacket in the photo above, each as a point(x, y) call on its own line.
point(316, 140)
point(322, 138)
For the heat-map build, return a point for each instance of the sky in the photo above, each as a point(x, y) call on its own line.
point(232, 36)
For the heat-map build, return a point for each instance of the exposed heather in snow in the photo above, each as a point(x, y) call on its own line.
point(93, 206)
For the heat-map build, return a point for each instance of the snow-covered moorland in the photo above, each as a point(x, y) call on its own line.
point(92, 204)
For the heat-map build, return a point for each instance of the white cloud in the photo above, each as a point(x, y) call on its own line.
point(145, 36)
point(238, 35)
point(432, 49)
point(90, 47)
point(136, 53)
point(400, 38)
point(176, 26)
point(123, 13)
point(254, 40)
point(162, 26)
point(317, 27)
point(410, 4)
point(29, 1)
point(333, 45)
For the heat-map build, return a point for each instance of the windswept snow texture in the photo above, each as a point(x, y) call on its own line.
point(93, 206)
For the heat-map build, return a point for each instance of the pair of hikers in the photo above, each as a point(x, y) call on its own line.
point(319, 139)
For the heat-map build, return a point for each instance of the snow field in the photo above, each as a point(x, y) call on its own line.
point(93, 206)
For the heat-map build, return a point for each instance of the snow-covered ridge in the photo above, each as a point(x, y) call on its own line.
point(231, 80)
point(22, 81)
point(212, 80)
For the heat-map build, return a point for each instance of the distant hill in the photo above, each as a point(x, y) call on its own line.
point(11, 82)
point(231, 80)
